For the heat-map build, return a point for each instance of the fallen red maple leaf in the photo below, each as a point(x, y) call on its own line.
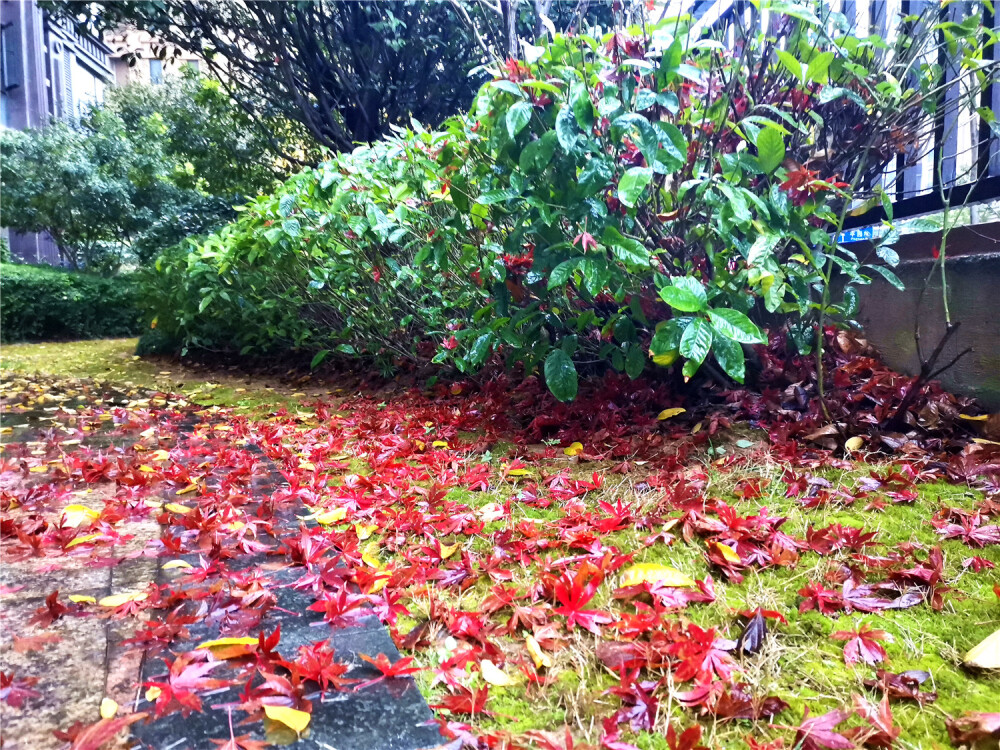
point(818, 732)
point(14, 692)
point(862, 644)
point(94, 736)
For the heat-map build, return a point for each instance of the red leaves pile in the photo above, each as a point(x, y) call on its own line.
point(414, 530)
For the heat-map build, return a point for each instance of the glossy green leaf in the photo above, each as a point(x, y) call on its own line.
point(696, 341)
point(518, 116)
point(632, 184)
point(736, 326)
point(729, 355)
point(560, 375)
point(770, 149)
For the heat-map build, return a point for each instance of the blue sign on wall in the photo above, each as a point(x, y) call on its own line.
point(860, 234)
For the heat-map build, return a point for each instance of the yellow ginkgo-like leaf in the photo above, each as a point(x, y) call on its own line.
point(292, 718)
point(117, 600)
point(330, 517)
point(517, 472)
point(980, 418)
point(109, 708)
point(74, 516)
point(854, 444)
point(661, 575)
point(538, 656)
point(307, 466)
point(440, 444)
point(38, 469)
point(727, 552)
point(986, 654)
point(85, 539)
point(176, 564)
point(574, 449)
point(160, 455)
point(177, 508)
point(668, 413)
point(82, 599)
point(493, 675)
point(185, 490)
point(370, 555)
point(364, 530)
point(244, 641)
point(447, 550)
point(153, 693)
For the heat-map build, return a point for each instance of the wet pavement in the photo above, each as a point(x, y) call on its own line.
point(80, 660)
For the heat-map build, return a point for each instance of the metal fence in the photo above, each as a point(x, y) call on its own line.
point(960, 162)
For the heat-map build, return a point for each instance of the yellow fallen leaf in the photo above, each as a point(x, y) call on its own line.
point(117, 600)
point(331, 516)
point(82, 599)
point(493, 675)
point(662, 575)
point(538, 656)
point(980, 418)
point(668, 413)
point(177, 508)
point(370, 555)
point(190, 488)
point(440, 444)
point(517, 472)
point(697, 429)
point(85, 539)
point(380, 581)
point(854, 444)
point(447, 550)
point(148, 433)
point(574, 449)
point(230, 648)
point(153, 693)
point(74, 516)
point(985, 655)
point(727, 552)
point(146, 469)
point(364, 531)
point(160, 455)
point(984, 441)
point(38, 469)
point(176, 564)
point(109, 708)
point(232, 641)
point(307, 466)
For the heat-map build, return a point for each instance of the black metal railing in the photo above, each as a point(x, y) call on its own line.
point(961, 161)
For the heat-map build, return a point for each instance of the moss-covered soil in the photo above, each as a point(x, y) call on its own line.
point(450, 512)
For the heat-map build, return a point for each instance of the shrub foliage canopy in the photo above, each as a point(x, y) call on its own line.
point(649, 194)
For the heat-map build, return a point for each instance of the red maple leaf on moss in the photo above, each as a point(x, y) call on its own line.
point(862, 645)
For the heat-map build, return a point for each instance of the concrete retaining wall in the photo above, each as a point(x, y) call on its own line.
point(973, 274)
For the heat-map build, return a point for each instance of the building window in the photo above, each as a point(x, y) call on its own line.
point(156, 71)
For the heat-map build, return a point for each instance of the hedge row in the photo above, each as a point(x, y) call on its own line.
point(44, 303)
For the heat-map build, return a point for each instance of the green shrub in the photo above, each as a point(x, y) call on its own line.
point(45, 303)
point(647, 195)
